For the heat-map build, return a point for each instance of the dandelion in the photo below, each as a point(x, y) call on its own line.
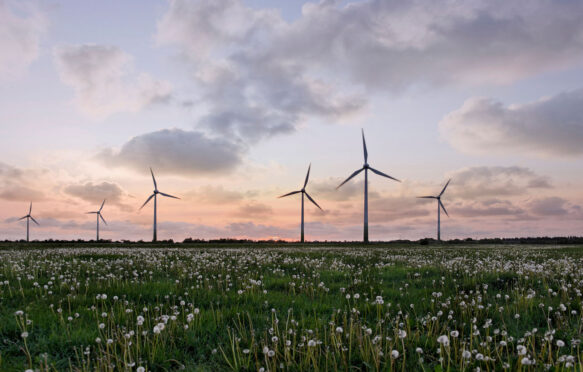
point(395, 354)
point(24, 334)
point(339, 330)
point(560, 343)
point(311, 343)
point(402, 333)
point(443, 340)
point(454, 334)
point(419, 350)
point(140, 369)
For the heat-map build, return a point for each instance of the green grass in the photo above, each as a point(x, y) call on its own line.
point(244, 298)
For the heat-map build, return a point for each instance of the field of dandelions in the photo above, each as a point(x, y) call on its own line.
point(512, 308)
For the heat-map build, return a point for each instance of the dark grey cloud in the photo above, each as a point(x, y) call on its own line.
point(105, 81)
point(493, 182)
point(97, 192)
point(251, 93)
point(489, 208)
point(176, 151)
point(551, 126)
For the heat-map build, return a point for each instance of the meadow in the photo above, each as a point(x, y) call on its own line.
point(270, 308)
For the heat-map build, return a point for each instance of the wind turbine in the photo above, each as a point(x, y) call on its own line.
point(304, 192)
point(439, 206)
point(28, 218)
point(98, 215)
point(366, 168)
point(155, 196)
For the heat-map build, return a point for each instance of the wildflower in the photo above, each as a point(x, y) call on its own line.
point(101, 325)
point(394, 354)
point(246, 351)
point(98, 340)
point(19, 313)
point(454, 334)
point(419, 350)
point(466, 354)
point(521, 349)
point(560, 343)
point(402, 333)
point(444, 340)
point(479, 356)
point(311, 343)
point(140, 369)
point(24, 334)
point(339, 330)
point(270, 353)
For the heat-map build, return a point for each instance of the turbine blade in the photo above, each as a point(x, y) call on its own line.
point(102, 219)
point(382, 174)
point(444, 187)
point(33, 220)
point(427, 197)
point(443, 207)
point(100, 208)
point(154, 179)
point(146, 202)
point(288, 194)
point(364, 147)
point(91, 212)
point(169, 196)
point(348, 179)
point(312, 200)
point(30, 209)
point(22, 218)
point(307, 176)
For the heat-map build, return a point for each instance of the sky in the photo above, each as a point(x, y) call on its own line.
point(230, 101)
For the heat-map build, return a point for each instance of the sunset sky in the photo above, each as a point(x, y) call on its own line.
point(230, 101)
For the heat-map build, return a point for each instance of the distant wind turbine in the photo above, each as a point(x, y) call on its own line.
point(155, 196)
point(366, 168)
point(439, 206)
point(98, 216)
point(304, 192)
point(28, 218)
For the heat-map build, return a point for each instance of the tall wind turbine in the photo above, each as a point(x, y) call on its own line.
point(439, 206)
point(366, 168)
point(98, 216)
point(28, 218)
point(155, 196)
point(304, 192)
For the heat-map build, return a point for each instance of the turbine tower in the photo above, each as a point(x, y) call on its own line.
point(366, 167)
point(155, 196)
point(98, 216)
point(28, 218)
point(304, 192)
point(439, 206)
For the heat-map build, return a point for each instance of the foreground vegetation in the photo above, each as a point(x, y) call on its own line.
point(247, 308)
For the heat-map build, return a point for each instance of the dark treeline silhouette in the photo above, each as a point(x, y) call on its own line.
point(226, 242)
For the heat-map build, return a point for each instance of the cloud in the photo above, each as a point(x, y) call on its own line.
point(551, 126)
point(22, 26)
point(488, 182)
point(251, 93)
point(254, 210)
point(97, 192)
point(387, 45)
point(551, 206)
point(20, 184)
point(211, 194)
point(489, 208)
point(105, 81)
point(176, 151)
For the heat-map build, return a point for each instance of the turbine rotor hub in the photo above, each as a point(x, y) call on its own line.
point(366, 166)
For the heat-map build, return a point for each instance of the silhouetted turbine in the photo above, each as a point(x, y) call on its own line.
point(28, 218)
point(98, 216)
point(439, 206)
point(304, 192)
point(366, 168)
point(155, 196)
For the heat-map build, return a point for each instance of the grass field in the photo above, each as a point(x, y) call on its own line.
point(254, 308)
